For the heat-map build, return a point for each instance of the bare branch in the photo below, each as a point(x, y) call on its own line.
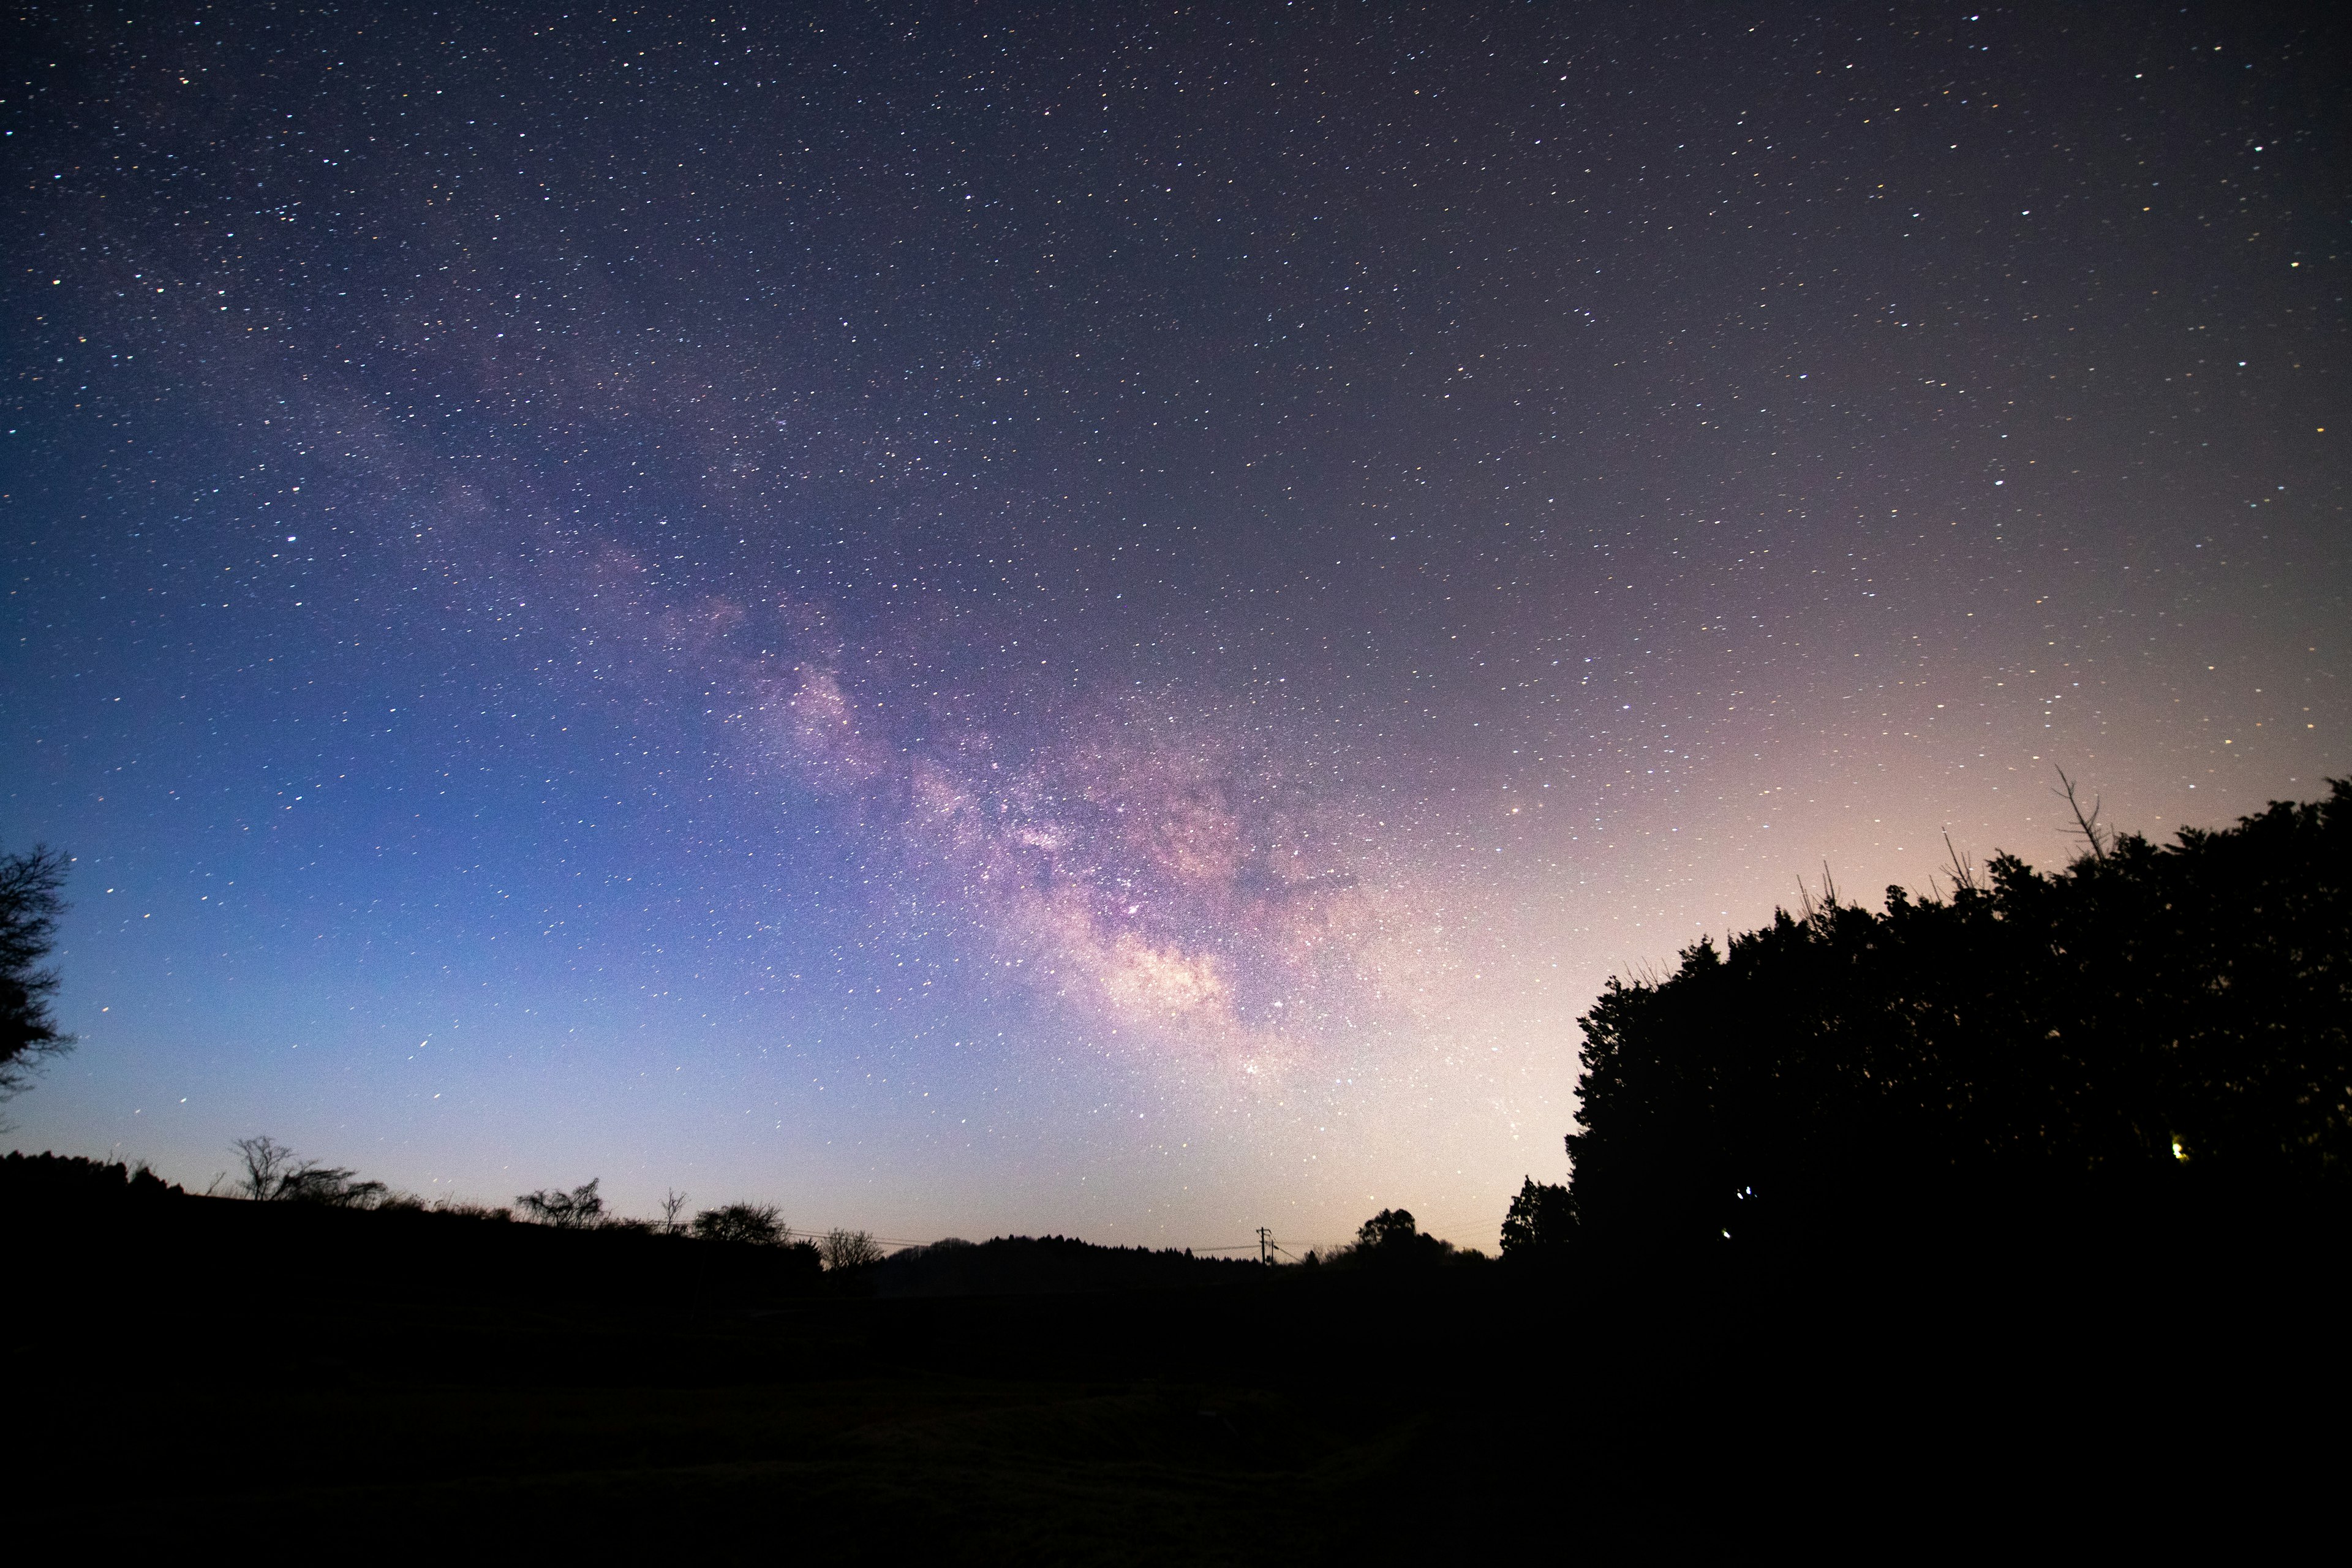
point(1827, 903)
point(267, 1163)
point(1965, 878)
point(2099, 838)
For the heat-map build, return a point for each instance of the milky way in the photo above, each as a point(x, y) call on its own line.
point(986, 618)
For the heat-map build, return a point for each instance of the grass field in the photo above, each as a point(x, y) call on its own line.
point(295, 1388)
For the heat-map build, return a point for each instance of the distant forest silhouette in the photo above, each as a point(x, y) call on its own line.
point(2149, 1026)
point(566, 1241)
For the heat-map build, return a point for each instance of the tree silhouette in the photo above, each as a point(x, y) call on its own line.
point(2147, 1015)
point(30, 907)
point(757, 1224)
point(334, 1186)
point(275, 1173)
point(1541, 1220)
point(849, 1249)
point(1392, 1237)
point(582, 1209)
point(266, 1163)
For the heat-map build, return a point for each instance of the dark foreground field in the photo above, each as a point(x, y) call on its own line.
point(206, 1375)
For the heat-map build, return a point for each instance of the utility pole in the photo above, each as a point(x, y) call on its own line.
point(1264, 1240)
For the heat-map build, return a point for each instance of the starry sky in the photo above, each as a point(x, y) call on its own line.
point(1105, 620)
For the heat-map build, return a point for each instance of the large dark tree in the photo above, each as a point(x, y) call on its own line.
point(30, 907)
point(2147, 1017)
point(1542, 1220)
point(1393, 1238)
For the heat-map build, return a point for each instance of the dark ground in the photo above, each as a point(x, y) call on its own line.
point(206, 1375)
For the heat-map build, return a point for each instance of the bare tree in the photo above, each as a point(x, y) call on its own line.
point(29, 908)
point(580, 1209)
point(274, 1173)
point(671, 1206)
point(848, 1250)
point(2100, 839)
point(266, 1162)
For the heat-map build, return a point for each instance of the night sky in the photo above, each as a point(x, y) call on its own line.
point(1106, 619)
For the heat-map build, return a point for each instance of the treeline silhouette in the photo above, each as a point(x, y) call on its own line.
point(1390, 1242)
point(52, 1185)
point(68, 1210)
point(284, 1213)
point(271, 1172)
point(2151, 1032)
point(1008, 1265)
point(331, 1223)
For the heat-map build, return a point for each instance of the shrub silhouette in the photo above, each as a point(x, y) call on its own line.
point(754, 1223)
point(2146, 1015)
point(580, 1209)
